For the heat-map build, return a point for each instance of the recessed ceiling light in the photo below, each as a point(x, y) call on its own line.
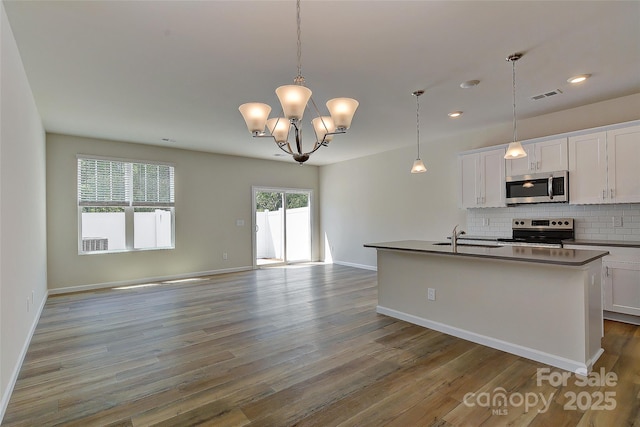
point(455, 114)
point(579, 78)
point(469, 83)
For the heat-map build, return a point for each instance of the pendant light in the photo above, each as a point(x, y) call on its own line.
point(418, 165)
point(515, 150)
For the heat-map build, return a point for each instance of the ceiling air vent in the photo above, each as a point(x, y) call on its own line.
point(546, 94)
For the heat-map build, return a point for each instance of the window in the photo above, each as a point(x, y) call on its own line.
point(124, 205)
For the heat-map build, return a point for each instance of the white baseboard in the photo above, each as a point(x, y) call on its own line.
point(526, 352)
point(107, 285)
point(354, 265)
point(6, 393)
point(621, 317)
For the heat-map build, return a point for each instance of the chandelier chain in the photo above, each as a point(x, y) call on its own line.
point(299, 42)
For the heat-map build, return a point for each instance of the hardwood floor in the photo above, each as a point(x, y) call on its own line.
point(289, 346)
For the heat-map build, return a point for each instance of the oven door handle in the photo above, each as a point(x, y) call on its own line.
point(550, 187)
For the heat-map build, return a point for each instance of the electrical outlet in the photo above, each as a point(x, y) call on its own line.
point(225, 256)
point(485, 221)
point(616, 221)
point(431, 294)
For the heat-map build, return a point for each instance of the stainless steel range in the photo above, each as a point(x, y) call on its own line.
point(541, 233)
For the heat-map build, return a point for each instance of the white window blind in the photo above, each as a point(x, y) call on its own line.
point(104, 182)
point(152, 185)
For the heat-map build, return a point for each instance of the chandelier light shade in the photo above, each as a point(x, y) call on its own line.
point(279, 128)
point(255, 115)
point(342, 111)
point(514, 150)
point(294, 99)
point(324, 128)
point(418, 164)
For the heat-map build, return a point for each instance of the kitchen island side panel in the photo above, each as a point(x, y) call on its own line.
point(548, 309)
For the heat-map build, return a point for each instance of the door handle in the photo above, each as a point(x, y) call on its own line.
point(550, 187)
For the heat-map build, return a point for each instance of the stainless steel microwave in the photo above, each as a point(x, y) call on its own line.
point(551, 187)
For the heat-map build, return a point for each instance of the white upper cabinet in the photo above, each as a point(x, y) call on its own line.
point(547, 156)
point(482, 179)
point(604, 167)
point(587, 168)
point(623, 173)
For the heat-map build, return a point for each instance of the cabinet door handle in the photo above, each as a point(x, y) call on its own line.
point(606, 271)
point(532, 166)
point(538, 165)
point(611, 193)
point(604, 192)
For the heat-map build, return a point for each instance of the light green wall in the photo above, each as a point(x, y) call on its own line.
point(212, 192)
point(23, 257)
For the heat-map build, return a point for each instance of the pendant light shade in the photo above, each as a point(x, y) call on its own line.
point(515, 150)
point(418, 164)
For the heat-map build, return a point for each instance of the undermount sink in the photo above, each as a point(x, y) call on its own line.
point(470, 245)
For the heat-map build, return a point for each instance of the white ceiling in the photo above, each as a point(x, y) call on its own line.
point(142, 71)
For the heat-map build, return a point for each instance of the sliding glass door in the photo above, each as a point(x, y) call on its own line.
point(282, 224)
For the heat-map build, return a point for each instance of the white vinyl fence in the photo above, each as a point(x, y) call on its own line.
point(150, 230)
point(269, 234)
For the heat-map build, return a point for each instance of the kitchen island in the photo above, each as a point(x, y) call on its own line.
point(544, 304)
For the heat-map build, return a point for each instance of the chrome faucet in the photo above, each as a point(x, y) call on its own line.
point(454, 237)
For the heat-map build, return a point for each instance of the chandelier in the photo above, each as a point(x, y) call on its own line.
point(294, 99)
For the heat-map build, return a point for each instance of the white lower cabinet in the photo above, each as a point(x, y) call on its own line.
point(620, 282)
point(621, 286)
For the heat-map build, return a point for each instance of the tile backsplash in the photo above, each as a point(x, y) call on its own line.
point(591, 221)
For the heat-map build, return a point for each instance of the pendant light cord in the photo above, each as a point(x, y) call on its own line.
point(418, 121)
point(515, 133)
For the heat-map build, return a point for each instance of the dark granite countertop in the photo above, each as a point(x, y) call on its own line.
point(589, 242)
point(581, 242)
point(558, 256)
